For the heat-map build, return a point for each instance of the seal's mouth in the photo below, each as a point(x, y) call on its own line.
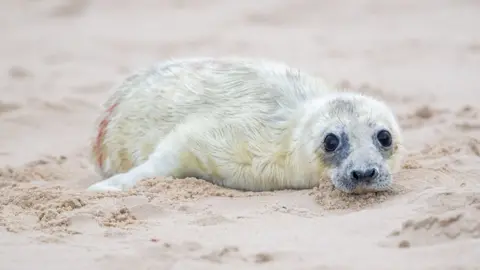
point(349, 184)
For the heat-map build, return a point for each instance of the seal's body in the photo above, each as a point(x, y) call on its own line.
point(245, 124)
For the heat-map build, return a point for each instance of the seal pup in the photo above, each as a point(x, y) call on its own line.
point(246, 124)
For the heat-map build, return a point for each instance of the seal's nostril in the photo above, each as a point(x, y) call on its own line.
point(371, 173)
point(364, 175)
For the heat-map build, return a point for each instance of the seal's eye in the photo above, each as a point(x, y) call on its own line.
point(385, 138)
point(331, 142)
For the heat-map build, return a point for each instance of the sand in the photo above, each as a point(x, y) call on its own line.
point(60, 58)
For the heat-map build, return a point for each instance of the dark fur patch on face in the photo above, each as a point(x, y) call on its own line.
point(338, 106)
point(336, 158)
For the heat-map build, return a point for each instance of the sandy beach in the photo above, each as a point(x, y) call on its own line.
point(60, 59)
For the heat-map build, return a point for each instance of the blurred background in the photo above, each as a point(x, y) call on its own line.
point(60, 58)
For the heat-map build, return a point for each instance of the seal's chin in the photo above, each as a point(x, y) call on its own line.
point(348, 186)
point(362, 189)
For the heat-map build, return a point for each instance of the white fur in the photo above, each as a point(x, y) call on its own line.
point(239, 123)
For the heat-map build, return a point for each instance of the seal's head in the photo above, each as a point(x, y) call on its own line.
point(355, 141)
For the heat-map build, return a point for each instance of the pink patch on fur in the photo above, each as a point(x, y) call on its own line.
point(101, 134)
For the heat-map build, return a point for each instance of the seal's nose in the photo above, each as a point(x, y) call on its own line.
point(364, 175)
